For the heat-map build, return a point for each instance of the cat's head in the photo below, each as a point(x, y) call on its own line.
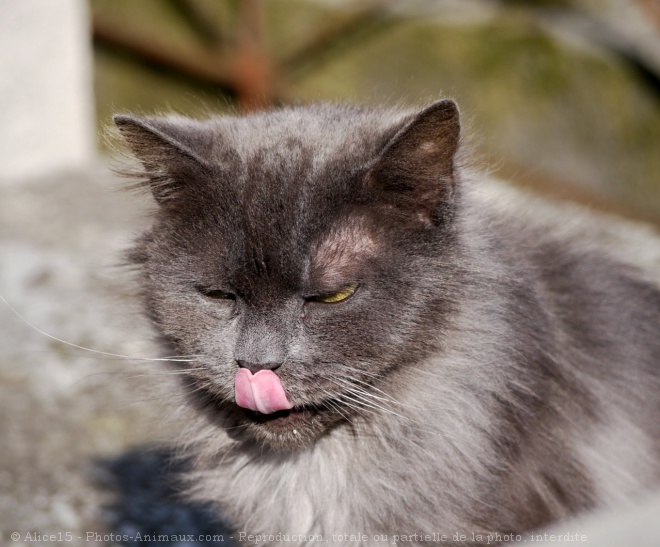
point(302, 255)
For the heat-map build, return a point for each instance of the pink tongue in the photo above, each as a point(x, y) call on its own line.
point(262, 391)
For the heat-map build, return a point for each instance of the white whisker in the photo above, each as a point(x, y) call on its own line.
point(332, 405)
point(98, 352)
point(365, 402)
point(387, 396)
point(160, 373)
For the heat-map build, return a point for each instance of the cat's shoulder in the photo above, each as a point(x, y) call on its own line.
point(505, 211)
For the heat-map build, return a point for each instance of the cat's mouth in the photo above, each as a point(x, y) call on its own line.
point(294, 428)
point(270, 416)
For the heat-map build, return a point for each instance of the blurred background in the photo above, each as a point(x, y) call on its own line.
point(562, 95)
point(558, 96)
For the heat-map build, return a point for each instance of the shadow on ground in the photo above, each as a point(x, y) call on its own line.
point(149, 508)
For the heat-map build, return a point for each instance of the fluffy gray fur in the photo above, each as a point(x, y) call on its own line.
point(497, 369)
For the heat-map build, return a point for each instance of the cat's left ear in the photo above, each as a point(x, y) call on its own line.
point(416, 169)
point(172, 151)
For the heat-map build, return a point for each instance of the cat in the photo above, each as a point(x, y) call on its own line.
point(386, 344)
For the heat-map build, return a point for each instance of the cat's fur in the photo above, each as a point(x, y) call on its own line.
point(497, 369)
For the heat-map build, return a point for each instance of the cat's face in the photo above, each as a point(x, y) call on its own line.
point(308, 244)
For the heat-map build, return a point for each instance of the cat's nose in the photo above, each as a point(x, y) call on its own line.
point(256, 367)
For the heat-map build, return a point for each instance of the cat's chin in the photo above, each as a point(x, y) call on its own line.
point(296, 428)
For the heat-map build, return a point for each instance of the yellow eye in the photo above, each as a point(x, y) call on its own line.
point(336, 297)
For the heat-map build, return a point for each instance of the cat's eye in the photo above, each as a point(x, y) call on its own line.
point(217, 294)
point(333, 298)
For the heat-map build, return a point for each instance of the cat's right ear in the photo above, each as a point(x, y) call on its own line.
point(171, 150)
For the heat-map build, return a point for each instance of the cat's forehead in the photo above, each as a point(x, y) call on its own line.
point(294, 187)
point(280, 259)
point(324, 132)
point(289, 201)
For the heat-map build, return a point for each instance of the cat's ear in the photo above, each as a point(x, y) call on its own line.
point(171, 151)
point(416, 171)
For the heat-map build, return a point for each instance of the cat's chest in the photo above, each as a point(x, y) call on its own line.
point(301, 493)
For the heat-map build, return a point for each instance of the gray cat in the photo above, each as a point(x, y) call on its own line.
point(385, 345)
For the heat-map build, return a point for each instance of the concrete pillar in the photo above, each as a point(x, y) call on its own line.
point(46, 105)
